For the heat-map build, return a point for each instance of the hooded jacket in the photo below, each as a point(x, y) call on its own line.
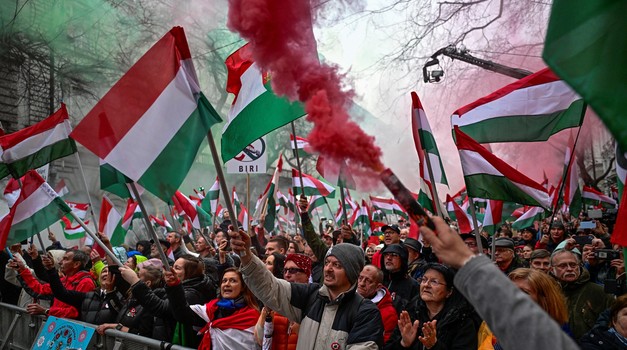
point(585, 301)
point(402, 287)
point(383, 300)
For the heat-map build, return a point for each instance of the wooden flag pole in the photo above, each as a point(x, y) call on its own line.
point(300, 170)
point(151, 230)
point(91, 204)
point(471, 203)
point(222, 180)
point(432, 187)
point(342, 204)
point(97, 240)
point(248, 202)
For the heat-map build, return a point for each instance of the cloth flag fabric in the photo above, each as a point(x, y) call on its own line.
point(163, 222)
point(37, 207)
point(425, 143)
point(12, 191)
point(210, 203)
point(269, 199)
point(36, 145)
point(619, 234)
point(61, 188)
point(133, 211)
point(311, 185)
point(595, 197)
point(335, 173)
point(113, 181)
point(197, 215)
point(621, 169)
point(256, 110)
point(464, 222)
point(72, 232)
point(531, 109)
point(489, 177)
point(300, 145)
point(151, 123)
point(493, 216)
point(528, 218)
point(585, 45)
point(388, 206)
point(80, 209)
point(316, 201)
point(572, 193)
point(363, 220)
point(110, 222)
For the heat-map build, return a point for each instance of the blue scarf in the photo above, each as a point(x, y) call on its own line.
point(231, 304)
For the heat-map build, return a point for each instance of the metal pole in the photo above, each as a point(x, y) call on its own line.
point(97, 239)
point(151, 230)
point(91, 205)
point(248, 201)
point(300, 171)
point(432, 187)
point(474, 221)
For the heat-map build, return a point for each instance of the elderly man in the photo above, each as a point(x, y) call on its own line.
point(504, 255)
point(585, 300)
point(369, 286)
point(331, 316)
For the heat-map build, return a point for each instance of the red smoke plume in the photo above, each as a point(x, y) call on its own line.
point(282, 40)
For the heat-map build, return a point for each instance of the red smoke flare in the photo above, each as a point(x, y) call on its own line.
point(282, 40)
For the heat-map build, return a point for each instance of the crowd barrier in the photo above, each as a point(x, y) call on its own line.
point(18, 331)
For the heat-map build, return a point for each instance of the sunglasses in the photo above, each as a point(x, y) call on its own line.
point(293, 270)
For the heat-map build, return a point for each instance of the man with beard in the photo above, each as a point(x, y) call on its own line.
point(402, 287)
point(585, 300)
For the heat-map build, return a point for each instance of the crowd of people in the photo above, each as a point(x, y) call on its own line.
point(549, 285)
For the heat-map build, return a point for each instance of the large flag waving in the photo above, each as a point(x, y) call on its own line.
point(489, 177)
point(585, 45)
point(110, 222)
point(196, 214)
point(269, 200)
point(36, 145)
point(572, 193)
point(621, 169)
point(528, 218)
point(464, 222)
point(531, 109)
point(256, 110)
point(37, 207)
point(151, 123)
point(594, 197)
point(311, 185)
point(425, 142)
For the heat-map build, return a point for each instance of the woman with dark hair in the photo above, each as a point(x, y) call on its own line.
point(275, 263)
point(228, 320)
point(612, 335)
point(438, 318)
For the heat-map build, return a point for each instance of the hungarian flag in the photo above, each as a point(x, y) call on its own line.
point(151, 123)
point(335, 173)
point(621, 169)
point(487, 176)
point(163, 222)
point(36, 208)
point(287, 205)
point(72, 232)
point(197, 215)
point(363, 220)
point(528, 218)
point(572, 193)
point(12, 191)
point(388, 206)
point(464, 221)
point(256, 110)
point(210, 203)
point(585, 45)
point(311, 185)
point(80, 209)
point(243, 216)
point(61, 188)
point(339, 215)
point(113, 181)
point(300, 145)
point(235, 201)
point(425, 143)
point(493, 216)
point(530, 109)
point(110, 222)
point(269, 200)
point(133, 211)
point(594, 197)
point(619, 235)
point(316, 201)
point(36, 145)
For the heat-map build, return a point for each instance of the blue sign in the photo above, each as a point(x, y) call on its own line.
point(58, 333)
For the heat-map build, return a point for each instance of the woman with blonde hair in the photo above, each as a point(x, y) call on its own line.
point(544, 291)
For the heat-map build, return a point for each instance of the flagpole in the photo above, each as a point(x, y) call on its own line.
point(91, 205)
point(474, 221)
point(572, 156)
point(342, 204)
point(329, 207)
point(151, 229)
point(248, 201)
point(300, 171)
point(432, 187)
point(97, 239)
point(222, 180)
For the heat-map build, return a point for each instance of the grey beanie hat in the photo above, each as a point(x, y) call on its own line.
point(351, 257)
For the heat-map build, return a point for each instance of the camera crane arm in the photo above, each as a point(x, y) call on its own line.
point(463, 55)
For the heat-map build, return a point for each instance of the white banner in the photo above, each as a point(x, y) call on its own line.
point(252, 160)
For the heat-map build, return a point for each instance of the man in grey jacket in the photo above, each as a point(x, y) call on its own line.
point(491, 292)
point(331, 316)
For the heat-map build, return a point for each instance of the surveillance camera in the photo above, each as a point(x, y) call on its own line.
point(437, 74)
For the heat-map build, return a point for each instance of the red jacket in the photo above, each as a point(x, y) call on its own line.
point(284, 337)
point(388, 314)
point(80, 282)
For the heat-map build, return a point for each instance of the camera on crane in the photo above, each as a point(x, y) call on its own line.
point(433, 74)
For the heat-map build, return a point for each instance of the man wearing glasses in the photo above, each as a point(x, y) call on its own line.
point(396, 277)
point(585, 300)
point(391, 235)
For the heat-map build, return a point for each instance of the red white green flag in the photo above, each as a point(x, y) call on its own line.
point(316, 201)
point(210, 202)
point(61, 188)
point(493, 216)
point(489, 177)
point(133, 211)
point(151, 123)
point(531, 109)
point(388, 206)
point(621, 170)
point(464, 222)
point(363, 219)
point(572, 193)
point(311, 185)
point(197, 215)
point(256, 110)
point(529, 217)
point(72, 232)
point(36, 208)
point(36, 145)
point(163, 222)
point(110, 222)
point(269, 200)
point(425, 143)
point(595, 197)
point(300, 145)
point(80, 209)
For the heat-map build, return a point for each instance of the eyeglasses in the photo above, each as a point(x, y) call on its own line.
point(571, 265)
point(391, 255)
point(431, 282)
point(292, 270)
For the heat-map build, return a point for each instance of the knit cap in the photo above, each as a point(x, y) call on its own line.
point(351, 257)
point(302, 261)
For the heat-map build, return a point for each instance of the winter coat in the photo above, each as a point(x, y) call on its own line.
point(138, 319)
point(80, 281)
point(383, 300)
point(455, 328)
point(585, 301)
point(285, 333)
point(155, 301)
point(600, 338)
point(348, 322)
